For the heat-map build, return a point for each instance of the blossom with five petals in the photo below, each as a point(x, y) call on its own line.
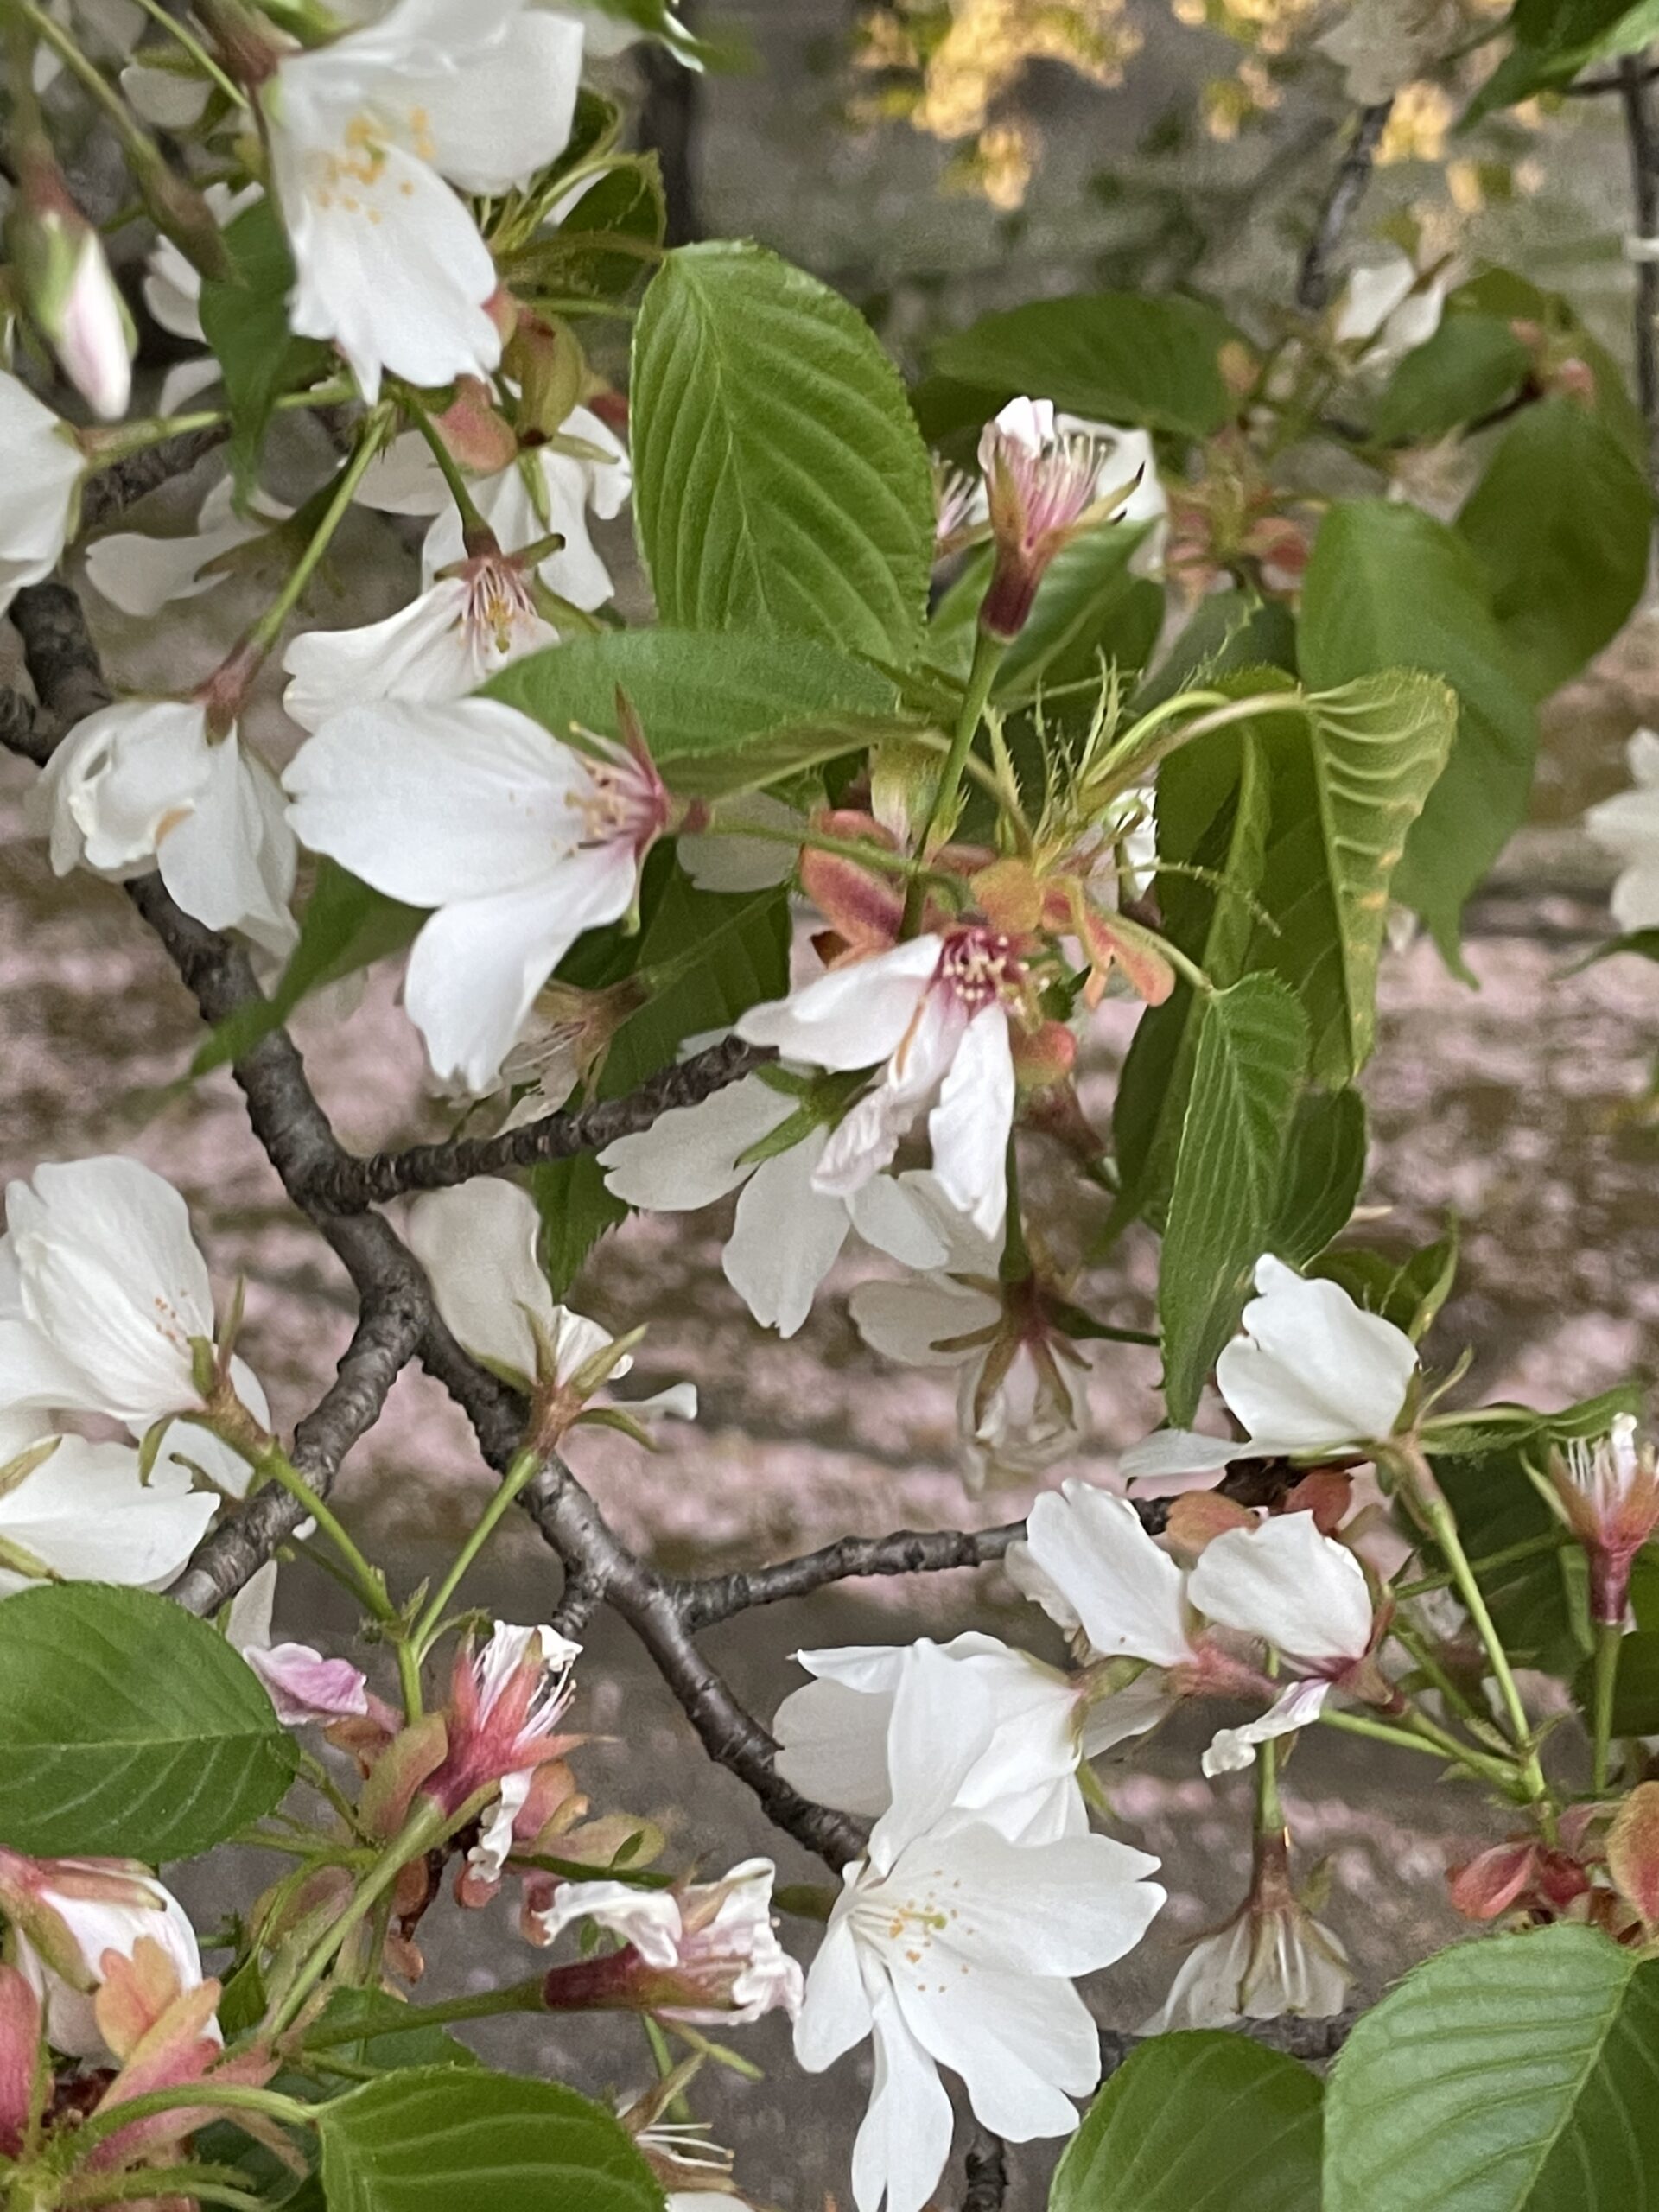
point(788, 1232)
point(833, 1733)
point(1310, 1373)
point(519, 842)
point(931, 1015)
point(146, 784)
point(73, 1511)
point(374, 136)
point(955, 1948)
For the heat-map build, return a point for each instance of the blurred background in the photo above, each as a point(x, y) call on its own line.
point(934, 161)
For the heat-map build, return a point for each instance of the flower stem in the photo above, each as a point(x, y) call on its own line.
point(419, 1833)
point(988, 658)
point(195, 49)
point(485, 2005)
point(1269, 1810)
point(232, 2096)
point(264, 634)
point(1610, 1634)
point(140, 149)
point(269, 1461)
point(1442, 1526)
point(525, 1468)
point(476, 534)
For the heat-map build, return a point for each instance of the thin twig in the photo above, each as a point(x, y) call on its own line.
point(1634, 83)
point(1347, 190)
point(717, 1597)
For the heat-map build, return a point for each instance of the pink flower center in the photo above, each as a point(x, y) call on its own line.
point(498, 602)
point(1054, 483)
point(977, 967)
point(625, 802)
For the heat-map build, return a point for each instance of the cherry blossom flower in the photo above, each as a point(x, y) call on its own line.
point(1019, 1403)
point(1042, 487)
point(707, 1952)
point(1270, 1958)
point(934, 1013)
point(833, 1733)
point(104, 1296)
point(41, 471)
point(519, 843)
point(73, 1511)
point(789, 1231)
point(148, 784)
point(364, 133)
point(1126, 462)
point(470, 622)
point(68, 1914)
point(1608, 1492)
point(1305, 1595)
point(953, 1946)
point(506, 1704)
point(478, 1244)
point(548, 490)
point(1628, 825)
point(1310, 1373)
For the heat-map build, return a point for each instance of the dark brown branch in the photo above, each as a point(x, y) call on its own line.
point(1347, 190)
point(346, 1184)
point(1589, 88)
point(111, 491)
point(717, 1597)
point(1643, 137)
point(986, 2170)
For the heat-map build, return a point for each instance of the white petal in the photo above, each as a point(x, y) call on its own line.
point(1372, 295)
point(248, 1623)
point(785, 1238)
point(478, 1244)
point(833, 1745)
point(908, 1321)
point(86, 1515)
point(169, 101)
point(904, 2139)
point(689, 1157)
point(476, 966)
point(1064, 1908)
point(184, 381)
point(969, 1128)
point(1312, 1369)
point(1019, 2041)
point(1284, 1581)
point(389, 263)
point(119, 779)
point(143, 574)
point(853, 1017)
point(544, 492)
point(837, 2012)
point(39, 487)
point(404, 480)
point(420, 653)
point(1206, 1989)
point(505, 111)
point(1129, 1595)
point(649, 1919)
point(901, 1216)
point(1233, 1749)
point(1173, 1461)
point(229, 861)
point(431, 803)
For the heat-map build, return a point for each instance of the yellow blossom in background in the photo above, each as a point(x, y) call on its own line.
point(1271, 26)
point(967, 55)
point(1418, 125)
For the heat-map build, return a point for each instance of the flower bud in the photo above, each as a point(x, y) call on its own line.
point(545, 361)
point(69, 289)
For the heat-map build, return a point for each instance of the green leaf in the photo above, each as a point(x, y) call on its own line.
point(1513, 2075)
point(1347, 778)
point(1643, 943)
point(373, 2028)
point(1562, 523)
point(1070, 621)
point(245, 324)
point(1554, 40)
point(346, 926)
point(1635, 1688)
point(133, 1730)
point(1387, 588)
point(1212, 819)
point(439, 2140)
point(1408, 1291)
point(1230, 632)
point(1114, 357)
point(1324, 1166)
point(605, 246)
point(1473, 364)
point(719, 714)
point(780, 483)
point(742, 943)
point(1512, 297)
point(1252, 1049)
point(1197, 2122)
